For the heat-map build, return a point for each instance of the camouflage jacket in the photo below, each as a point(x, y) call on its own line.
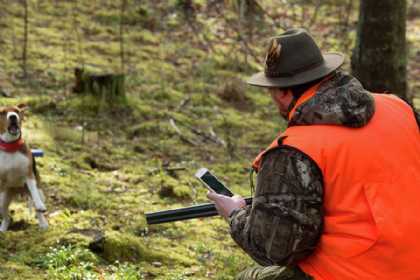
point(284, 223)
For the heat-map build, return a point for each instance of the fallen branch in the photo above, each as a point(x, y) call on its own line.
point(182, 136)
point(183, 102)
point(211, 136)
point(216, 138)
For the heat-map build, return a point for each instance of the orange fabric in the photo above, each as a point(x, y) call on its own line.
point(371, 191)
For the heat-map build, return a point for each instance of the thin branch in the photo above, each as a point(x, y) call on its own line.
point(315, 14)
point(274, 20)
point(183, 102)
point(182, 136)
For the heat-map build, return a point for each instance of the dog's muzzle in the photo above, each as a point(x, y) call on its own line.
point(13, 127)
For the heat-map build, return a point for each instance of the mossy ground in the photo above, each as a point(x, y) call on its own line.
point(105, 165)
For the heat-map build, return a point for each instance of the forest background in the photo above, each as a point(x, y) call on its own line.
point(183, 104)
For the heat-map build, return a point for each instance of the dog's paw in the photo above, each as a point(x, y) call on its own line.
point(41, 208)
point(42, 221)
point(43, 226)
point(4, 225)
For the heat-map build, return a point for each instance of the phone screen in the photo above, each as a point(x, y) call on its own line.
point(215, 184)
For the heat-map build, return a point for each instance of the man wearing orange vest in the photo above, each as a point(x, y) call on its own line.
point(338, 191)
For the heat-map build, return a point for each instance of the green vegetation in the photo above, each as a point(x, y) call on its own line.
point(106, 164)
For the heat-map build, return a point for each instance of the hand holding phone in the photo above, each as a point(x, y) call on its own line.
point(211, 182)
point(226, 205)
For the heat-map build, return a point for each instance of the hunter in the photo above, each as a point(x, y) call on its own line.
point(337, 193)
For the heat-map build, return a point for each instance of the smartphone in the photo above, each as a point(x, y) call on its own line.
point(211, 182)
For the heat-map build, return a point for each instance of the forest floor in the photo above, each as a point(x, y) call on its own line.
point(108, 163)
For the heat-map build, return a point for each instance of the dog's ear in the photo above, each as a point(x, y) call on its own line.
point(22, 107)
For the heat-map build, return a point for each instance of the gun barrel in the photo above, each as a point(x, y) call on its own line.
point(186, 213)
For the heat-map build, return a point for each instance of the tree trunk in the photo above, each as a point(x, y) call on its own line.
point(110, 87)
point(379, 58)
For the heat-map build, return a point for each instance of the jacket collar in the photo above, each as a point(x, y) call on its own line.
point(308, 94)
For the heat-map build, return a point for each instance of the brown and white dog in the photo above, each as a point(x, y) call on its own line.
point(17, 170)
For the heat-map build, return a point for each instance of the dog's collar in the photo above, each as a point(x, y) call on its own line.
point(12, 146)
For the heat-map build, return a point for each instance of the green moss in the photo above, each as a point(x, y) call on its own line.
point(13, 270)
point(170, 187)
point(125, 247)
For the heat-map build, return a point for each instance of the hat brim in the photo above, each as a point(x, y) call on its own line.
point(332, 61)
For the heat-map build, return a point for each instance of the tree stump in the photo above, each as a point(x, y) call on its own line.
point(107, 86)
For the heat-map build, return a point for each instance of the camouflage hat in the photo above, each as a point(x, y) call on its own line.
point(293, 58)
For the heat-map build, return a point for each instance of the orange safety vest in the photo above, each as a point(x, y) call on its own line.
point(371, 193)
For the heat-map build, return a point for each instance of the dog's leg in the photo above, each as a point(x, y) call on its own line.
point(6, 198)
point(42, 221)
point(36, 196)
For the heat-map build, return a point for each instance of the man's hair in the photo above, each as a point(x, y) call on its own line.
point(298, 90)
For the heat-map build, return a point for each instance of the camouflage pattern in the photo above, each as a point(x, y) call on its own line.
point(272, 273)
point(284, 223)
point(341, 100)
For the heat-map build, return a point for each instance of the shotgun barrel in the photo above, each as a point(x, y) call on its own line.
point(191, 212)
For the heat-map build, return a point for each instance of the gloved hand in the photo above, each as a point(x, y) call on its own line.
point(225, 204)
